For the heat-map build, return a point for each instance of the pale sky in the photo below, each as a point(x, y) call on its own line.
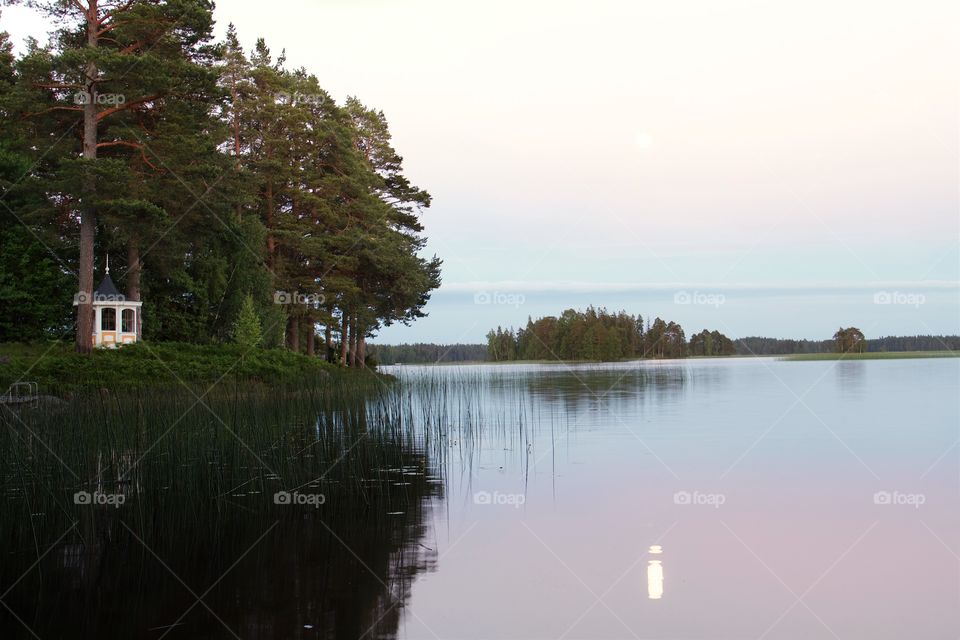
point(795, 158)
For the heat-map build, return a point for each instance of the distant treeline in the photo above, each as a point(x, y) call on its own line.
point(597, 334)
point(428, 353)
point(780, 346)
point(506, 342)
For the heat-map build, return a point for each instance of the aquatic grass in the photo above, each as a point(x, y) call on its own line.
point(192, 463)
point(169, 451)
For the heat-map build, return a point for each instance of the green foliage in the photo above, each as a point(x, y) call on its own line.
point(246, 329)
point(849, 340)
point(35, 293)
point(777, 346)
point(56, 367)
point(711, 343)
point(218, 175)
point(593, 334)
point(35, 289)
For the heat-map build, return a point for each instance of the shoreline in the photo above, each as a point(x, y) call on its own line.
point(798, 357)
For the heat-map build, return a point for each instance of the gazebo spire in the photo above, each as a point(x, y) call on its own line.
point(108, 264)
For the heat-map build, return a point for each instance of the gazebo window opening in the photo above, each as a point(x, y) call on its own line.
point(126, 320)
point(108, 319)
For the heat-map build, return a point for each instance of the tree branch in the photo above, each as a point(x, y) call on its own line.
point(40, 113)
point(126, 106)
point(133, 145)
point(58, 85)
point(120, 143)
point(139, 44)
point(114, 12)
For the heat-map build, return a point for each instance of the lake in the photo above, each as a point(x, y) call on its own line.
point(715, 498)
point(787, 500)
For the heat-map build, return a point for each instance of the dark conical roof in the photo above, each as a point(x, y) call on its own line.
point(108, 291)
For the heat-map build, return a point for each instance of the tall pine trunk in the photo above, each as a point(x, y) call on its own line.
point(271, 241)
point(88, 211)
point(353, 341)
point(133, 278)
point(293, 333)
point(328, 341)
point(311, 339)
point(344, 336)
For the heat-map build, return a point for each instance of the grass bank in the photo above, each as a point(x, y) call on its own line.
point(873, 355)
point(56, 367)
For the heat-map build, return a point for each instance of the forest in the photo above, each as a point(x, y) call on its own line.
point(427, 353)
point(758, 346)
point(233, 195)
point(597, 334)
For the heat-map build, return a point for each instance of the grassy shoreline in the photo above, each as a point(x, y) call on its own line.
point(57, 368)
point(871, 355)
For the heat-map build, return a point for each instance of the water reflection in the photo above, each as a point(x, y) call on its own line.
point(655, 574)
point(851, 377)
point(618, 388)
point(243, 566)
point(613, 466)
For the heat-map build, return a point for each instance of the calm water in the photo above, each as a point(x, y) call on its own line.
point(763, 482)
point(735, 498)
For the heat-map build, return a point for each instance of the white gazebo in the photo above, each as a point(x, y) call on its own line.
point(115, 318)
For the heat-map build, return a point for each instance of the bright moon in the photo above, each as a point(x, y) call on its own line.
point(644, 140)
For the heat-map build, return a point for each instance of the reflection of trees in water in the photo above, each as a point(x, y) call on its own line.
point(850, 376)
point(342, 570)
point(607, 388)
point(346, 581)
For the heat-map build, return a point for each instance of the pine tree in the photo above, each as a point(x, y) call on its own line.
point(135, 125)
point(246, 329)
point(218, 175)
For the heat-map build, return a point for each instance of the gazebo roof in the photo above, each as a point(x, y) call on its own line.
point(107, 291)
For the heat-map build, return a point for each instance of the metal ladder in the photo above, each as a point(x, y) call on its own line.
point(22, 394)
